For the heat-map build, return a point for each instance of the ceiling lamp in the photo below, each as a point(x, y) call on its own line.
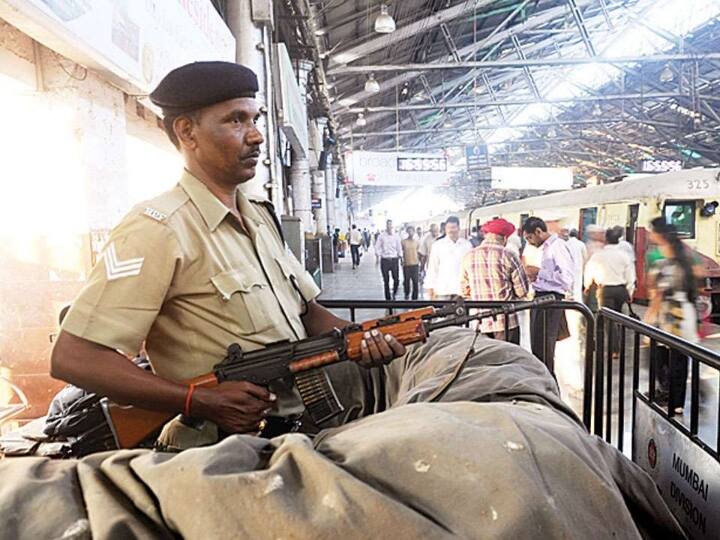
point(384, 23)
point(666, 75)
point(597, 111)
point(371, 85)
point(552, 133)
point(360, 122)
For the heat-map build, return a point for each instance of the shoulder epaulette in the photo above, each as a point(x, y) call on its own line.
point(164, 205)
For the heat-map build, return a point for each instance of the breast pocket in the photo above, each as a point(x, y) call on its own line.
point(289, 272)
point(248, 299)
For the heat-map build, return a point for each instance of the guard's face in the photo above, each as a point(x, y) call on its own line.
point(228, 141)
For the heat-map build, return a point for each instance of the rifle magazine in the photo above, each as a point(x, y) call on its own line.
point(318, 395)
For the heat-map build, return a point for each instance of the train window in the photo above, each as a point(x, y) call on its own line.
point(682, 215)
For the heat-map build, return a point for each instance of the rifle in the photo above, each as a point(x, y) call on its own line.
point(299, 363)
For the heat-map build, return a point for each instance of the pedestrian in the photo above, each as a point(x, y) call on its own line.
point(613, 273)
point(493, 272)
point(366, 239)
point(443, 275)
point(356, 240)
point(426, 245)
point(673, 292)
point(578, 250)
point(336, 245)
point(389, 250)
point(411, 264)
point(475, 237)
point(594, 243)
point(626, 246)
point(554, 277)
point(419, 233)
point(442, 230)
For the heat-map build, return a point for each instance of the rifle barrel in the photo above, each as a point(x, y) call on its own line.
point(484, 314)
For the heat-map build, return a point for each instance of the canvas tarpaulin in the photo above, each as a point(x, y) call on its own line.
point(496, 454)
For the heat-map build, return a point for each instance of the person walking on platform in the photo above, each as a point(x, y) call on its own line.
point(553, 278)
point(356, 240)
point(411, 264)
point(626, 246)
point(580, 257)
point(443, 276)
point(426, 244)
point(613, 274)
point(673, 292)
point(493, 272)
point(389, 250)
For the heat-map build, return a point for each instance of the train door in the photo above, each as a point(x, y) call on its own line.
point(588, 216)
point(637, 239)
point(632, 220)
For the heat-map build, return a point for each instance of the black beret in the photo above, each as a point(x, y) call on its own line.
point(200, 84)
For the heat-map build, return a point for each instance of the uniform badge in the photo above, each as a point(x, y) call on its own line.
point(116, 269)
point(155, 214)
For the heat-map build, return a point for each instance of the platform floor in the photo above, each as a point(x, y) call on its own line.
point(365, 283)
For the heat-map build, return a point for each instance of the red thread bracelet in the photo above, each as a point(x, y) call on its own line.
point(188, 400)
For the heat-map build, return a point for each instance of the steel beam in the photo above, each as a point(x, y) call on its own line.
point(522, 64)
point(408, 31)
point(510, 101)
point(580, 22)
point(488, 127)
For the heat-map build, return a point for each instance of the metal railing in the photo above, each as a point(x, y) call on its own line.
point(606, 368)
point(392, 305)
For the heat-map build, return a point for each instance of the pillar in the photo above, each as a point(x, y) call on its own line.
point(330, 179)
point(300, 167)
point(318, 194)
point(301, 191)
point(251, 24)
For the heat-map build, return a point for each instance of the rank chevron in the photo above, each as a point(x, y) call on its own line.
point(115, 268)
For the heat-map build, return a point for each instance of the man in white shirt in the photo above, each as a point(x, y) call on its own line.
point(612, 271)
point(443, 275)
point(389, 250)
point(356, 240)
point(579, 254)
point(626, 246)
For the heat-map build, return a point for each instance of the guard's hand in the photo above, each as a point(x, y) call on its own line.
point(235, 406)
point(378, 349)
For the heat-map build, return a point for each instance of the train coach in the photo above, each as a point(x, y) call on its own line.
point(688, 199)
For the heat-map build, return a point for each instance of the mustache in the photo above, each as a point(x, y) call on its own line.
point(254, 154)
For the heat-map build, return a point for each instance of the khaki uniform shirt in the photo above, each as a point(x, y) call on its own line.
point(179, 272)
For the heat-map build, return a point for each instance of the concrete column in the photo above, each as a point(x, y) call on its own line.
point(253, 49)
point(301, 191)
point(330, 179)
point(300, 167)
point(318, 193)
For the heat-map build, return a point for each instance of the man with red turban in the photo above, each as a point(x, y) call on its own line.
point(493, 272)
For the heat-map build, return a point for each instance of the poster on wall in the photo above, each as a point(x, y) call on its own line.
point(136, 42)
point(396, 169)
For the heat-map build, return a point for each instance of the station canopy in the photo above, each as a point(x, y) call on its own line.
point(606, 87)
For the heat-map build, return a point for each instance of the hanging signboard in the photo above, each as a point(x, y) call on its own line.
point(131, 42)
point(476, 156)
point(686, 475)
point(545, 178)
point(660, 165)
point(396, 169)
point(292, 110)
